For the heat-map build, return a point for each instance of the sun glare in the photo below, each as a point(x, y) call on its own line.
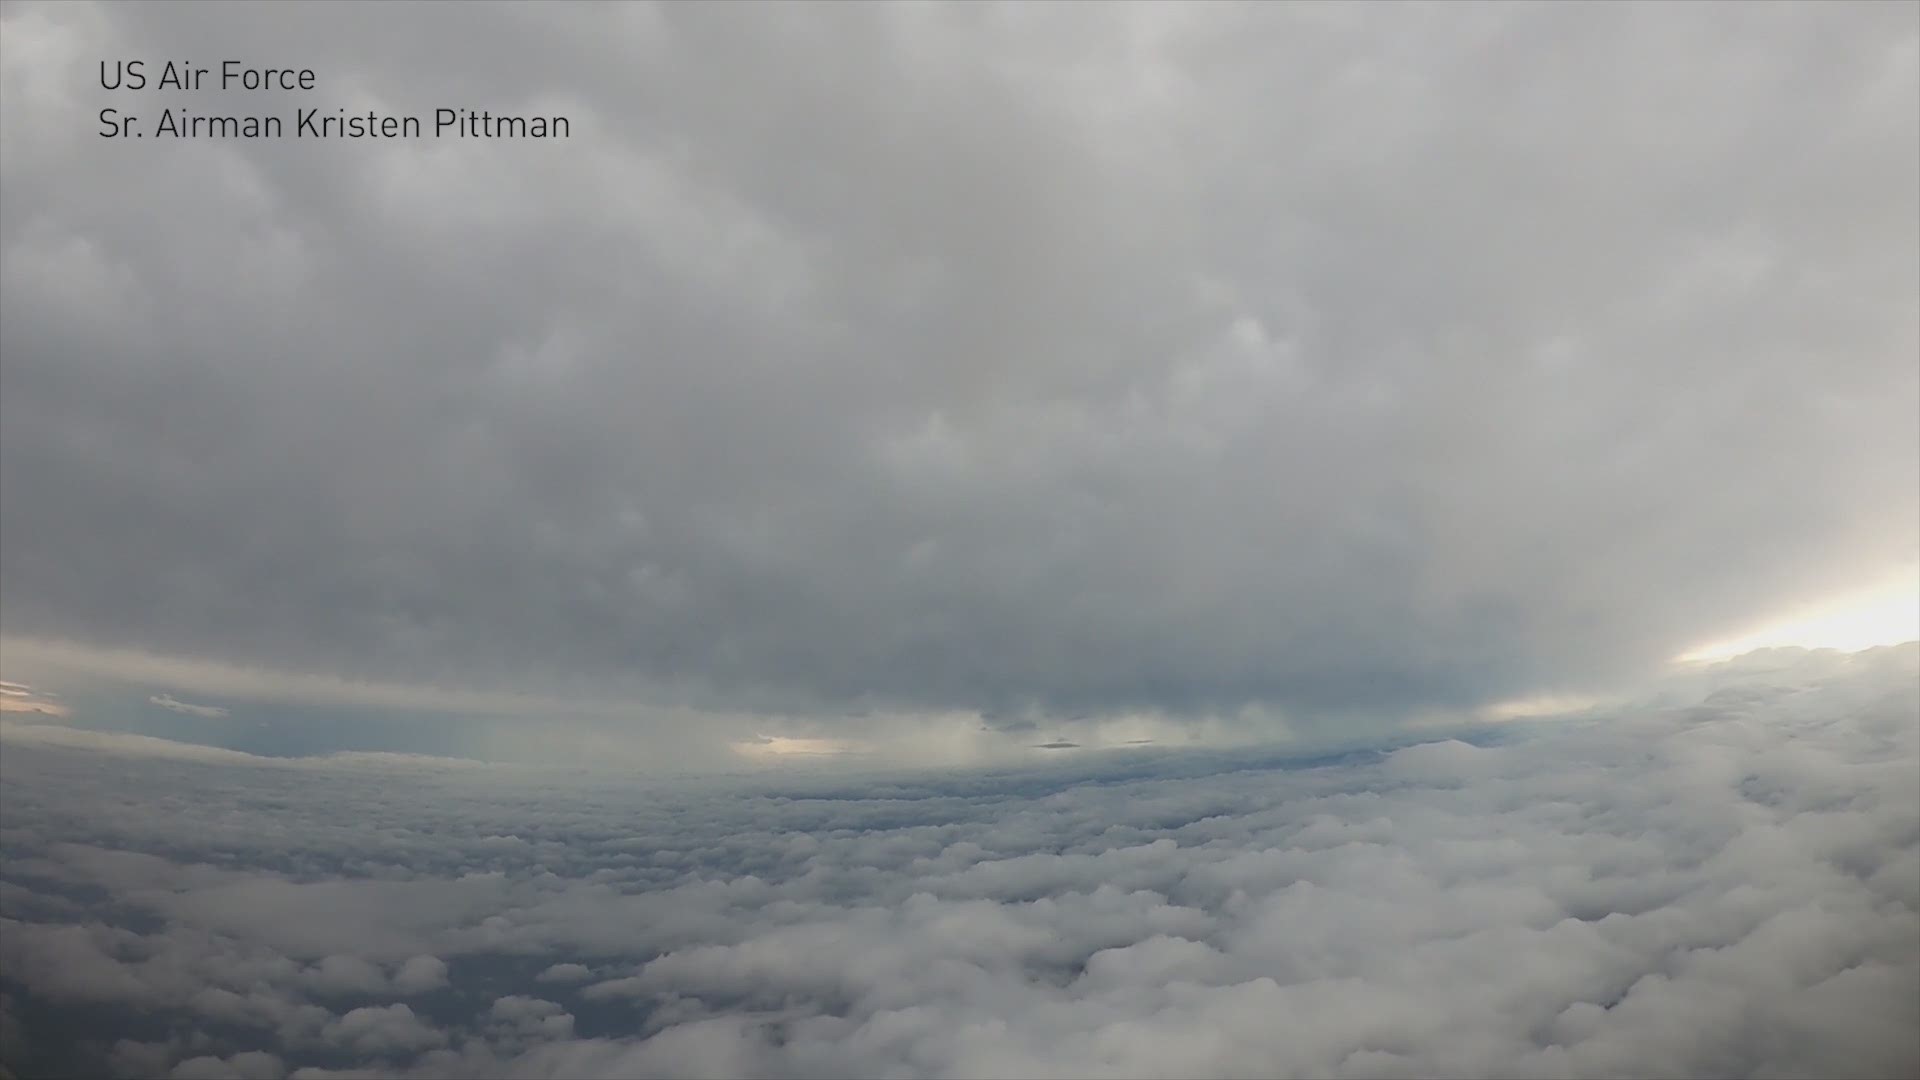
point(1888, 614)
point(767, 747)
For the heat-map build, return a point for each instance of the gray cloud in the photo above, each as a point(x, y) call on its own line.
point(1723, 884)
point(420, 974)
point(953, 357)
point(565, 973)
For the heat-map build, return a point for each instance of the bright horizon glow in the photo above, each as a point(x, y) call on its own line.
point(21, 698)
point(1543, 705)
point(780, 746)
point(1887, 614)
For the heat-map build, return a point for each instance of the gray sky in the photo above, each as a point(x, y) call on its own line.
point(883, 359)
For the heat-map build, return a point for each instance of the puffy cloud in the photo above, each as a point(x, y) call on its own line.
point(420, 974)
point(1725, 882)
point(381, 1031)
point(348, 975)
point(515, 1022)
point(565, 973)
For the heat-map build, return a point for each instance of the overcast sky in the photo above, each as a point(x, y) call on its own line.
point(1328, 363)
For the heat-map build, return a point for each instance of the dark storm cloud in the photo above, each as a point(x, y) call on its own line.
point(963, 356)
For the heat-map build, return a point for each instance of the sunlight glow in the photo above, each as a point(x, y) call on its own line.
point(1888, 614)
point(21, 698)
point(1534, 708)
point(780, 746)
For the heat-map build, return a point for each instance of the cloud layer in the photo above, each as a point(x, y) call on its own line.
point(929, 357)
point(1726, 886)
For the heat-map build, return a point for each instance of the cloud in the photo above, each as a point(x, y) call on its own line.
point(21, 698)
point(378, 1032)
point(1094, 360)
point(168, 702)
point(346, 975)
point(1724, 881)
point(247, 1066)
point(420, 974)
point(141, 745)
point(267, 684)
point(516, 1022)
point(565, 973)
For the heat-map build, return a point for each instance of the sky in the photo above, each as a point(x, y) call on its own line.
point(949, 380)
point(963, 540)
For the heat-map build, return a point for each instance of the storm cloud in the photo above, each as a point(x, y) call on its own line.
point(1725, 885)
point(1075, 358)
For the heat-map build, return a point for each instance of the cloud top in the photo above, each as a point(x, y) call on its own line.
point(1727, 884)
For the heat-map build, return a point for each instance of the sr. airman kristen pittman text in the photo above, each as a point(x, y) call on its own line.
point(334, 124)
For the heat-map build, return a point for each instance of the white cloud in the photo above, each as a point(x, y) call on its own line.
point(381, 1031)
point(172, 704)
point(420, 974)
point(1724, 884)
point(565, 973)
